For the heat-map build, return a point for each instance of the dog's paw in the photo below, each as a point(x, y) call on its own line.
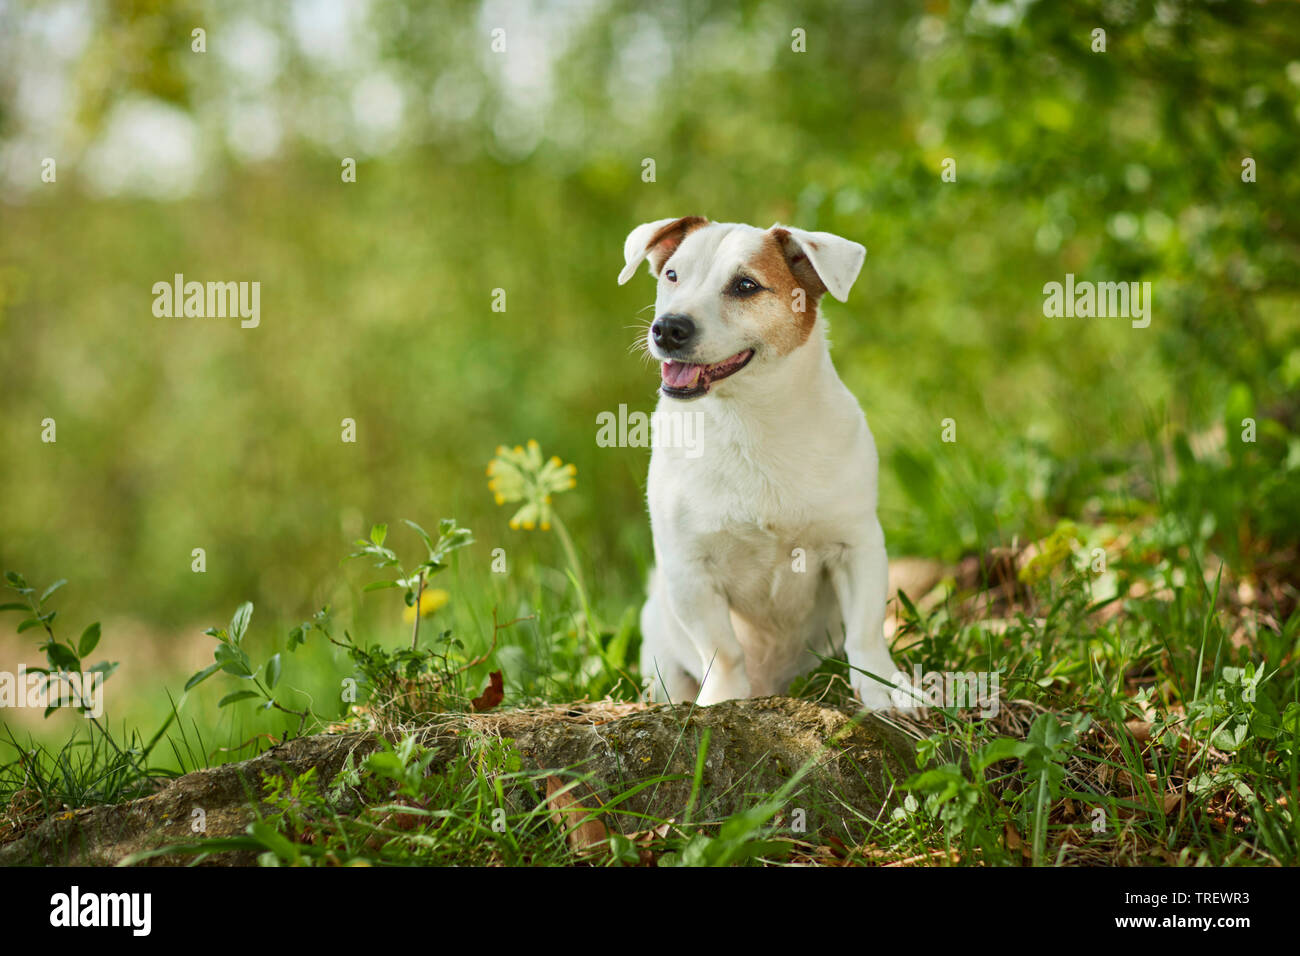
point(900, 695)
point(715, 692)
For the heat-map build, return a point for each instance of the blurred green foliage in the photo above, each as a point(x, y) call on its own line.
point(175, 434)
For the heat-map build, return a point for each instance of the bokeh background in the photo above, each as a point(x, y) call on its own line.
point(522, 170)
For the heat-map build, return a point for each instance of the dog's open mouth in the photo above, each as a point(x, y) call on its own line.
point(686, 380)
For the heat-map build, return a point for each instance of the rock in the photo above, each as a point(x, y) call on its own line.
point(755, 746)
point(105, 835)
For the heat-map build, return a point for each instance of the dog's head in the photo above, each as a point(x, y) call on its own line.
point(734, 299)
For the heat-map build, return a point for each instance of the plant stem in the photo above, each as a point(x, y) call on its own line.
point(302, 715)
point(415, 628)
point(80, 701)
point(572, 555)
point(1040, 820)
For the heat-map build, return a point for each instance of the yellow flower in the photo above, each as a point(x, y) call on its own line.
point(431, 600)
point(523, 475)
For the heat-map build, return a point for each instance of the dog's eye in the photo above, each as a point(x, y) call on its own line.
point(743, 285)
point(671, 275)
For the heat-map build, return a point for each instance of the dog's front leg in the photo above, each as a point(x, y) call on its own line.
point(702, 611)
point(861, 582)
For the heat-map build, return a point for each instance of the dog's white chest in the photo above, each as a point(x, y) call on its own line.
point(774, 576)
point(764, 532)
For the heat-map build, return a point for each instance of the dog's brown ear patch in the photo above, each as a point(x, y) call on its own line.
point(798, 264)
point(656, 241)
point(784, 268)
point(664, 243)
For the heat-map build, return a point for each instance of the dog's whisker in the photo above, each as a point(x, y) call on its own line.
point(639, 347)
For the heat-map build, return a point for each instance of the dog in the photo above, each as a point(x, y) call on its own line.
point(768, 552)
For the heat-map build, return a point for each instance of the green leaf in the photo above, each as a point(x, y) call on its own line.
point(378, 533)
point(1291, 719)
point(911, 608)
point(15, 606)
point(624, 850)
point(237, 695)
point(89, 639)
point(233, 661)
point(1003, 748)
point(387, 559)
point(105, 667)
point(1046, 731)
point(202, 675)
point(273, 671)
point(615, 652)
point(384, 765)
point(381, 585)
point(239, 623)
point(279, 845)
point(450, 539)
point(428, 542)
point(52, 588)
point(62, 656)
point(28, 624)
point(238, 668)
point(1264, 726)
point(1231, 737)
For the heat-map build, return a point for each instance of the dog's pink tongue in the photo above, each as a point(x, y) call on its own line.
point(680, 374)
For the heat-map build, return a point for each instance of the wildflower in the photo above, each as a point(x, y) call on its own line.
point(520, 474)
point(431, 600)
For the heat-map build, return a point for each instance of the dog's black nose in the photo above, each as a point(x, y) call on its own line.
point(672, 331)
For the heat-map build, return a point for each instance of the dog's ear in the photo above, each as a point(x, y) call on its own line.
point(835, 260)
point(658, 240)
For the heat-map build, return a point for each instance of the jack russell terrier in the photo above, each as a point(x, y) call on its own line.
point(767, 546)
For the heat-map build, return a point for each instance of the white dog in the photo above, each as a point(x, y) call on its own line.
point(766, 540)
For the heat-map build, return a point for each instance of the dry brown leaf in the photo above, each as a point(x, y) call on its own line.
point(492, 695)
point(583, 832)
point(837, 847)
point(1012, 839)
point(1140, 729)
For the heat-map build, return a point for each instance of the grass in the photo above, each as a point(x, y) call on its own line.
point(1149, 709)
